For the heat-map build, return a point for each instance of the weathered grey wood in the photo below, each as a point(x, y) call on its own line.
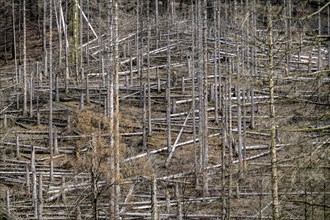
point(27, 179)
point(176, 141)
point(154, 203)
point(81, 34)
point(205, 154)
point(50, 122)
point(183, 86)
point(87, 89)
point(57, 94)
point(103, 71)
point(17, 98)
point(31, 94)
point(82, 102)
point(244, 126)
point(14, 42)
point(131, 66)
point(82, 72)
point(18, 155)
point(34, 182)
point(165, 148)
point(5, 124)
point(105, 109)
point(270, 70)
point(239, 147)
point(168, 117)
point(117, 171)
point(24, 62)
point(179, 205)
point(63, 194)
point(173, 106)
point(144, 117)
point(55, 143)
point(8, 207)
point(212, 92)
point(40, 198)
point(328, 24)
point(68, 121)
point(168, 202)
point(158, 80)
point(230, 139)
point(252, 109)
point(148, 73)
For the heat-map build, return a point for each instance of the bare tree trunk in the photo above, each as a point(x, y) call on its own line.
point(18, 154)
point(28, 184)
point(34, 183)
point(109, 109)
point(116, 113)
point(191, 67)
point(14, 41)
point(8, 203)
point(31, 92)
point(231, 144)
point(244, 128)
point(44, 39)
point(201, 115)
point(205, 156)
point(287, 4)
point(24, 61)
point(319, 57)
point(75, 36)
point(157, 21)
point(144, 116)
point(168, 88)
point(329, 35)
point(65, 30)
point(154, 208)
point(179, 205)
point(50, 119)
point(239, 128)
point(94, 180)
point(223, 150)
point(19, 34)
point(140, 43)
point(59, 30)
point(81, 29)
point(274, 178)
point(5, 40)
point(216, 64)
point(40, 198)
point(252, 109)
point(148, 73)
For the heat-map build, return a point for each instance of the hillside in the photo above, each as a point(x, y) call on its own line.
point(164, 109)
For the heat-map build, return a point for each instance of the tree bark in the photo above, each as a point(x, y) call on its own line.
point(154, 208)
point(24, 61)
point(116, 113)
point(14, 41)
point(50, 119)
point(274, 177)
point(168, 88)
point(34, 182)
